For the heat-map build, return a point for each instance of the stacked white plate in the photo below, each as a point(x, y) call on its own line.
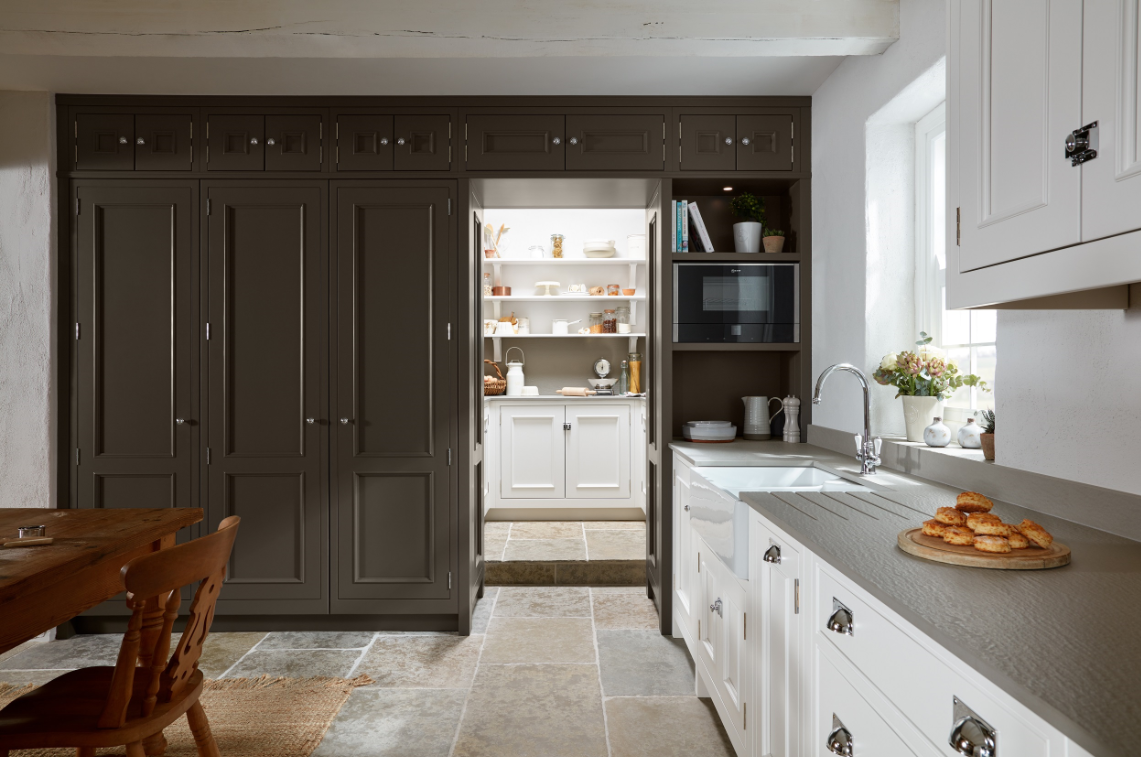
point(599, 248)
point(709, 431)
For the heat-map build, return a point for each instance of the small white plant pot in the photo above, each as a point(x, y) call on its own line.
point(747, 236)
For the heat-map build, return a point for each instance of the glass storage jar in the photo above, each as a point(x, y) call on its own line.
point(487, 285)
point(634, 362)
point(613, 290)
point(624, 325)
point(609, 322)
point(596, 323)
point(557, 245)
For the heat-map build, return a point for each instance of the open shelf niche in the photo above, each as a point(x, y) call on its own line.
point(712, 201)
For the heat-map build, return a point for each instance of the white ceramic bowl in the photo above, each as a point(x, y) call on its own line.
point(599, 252)
point(605, 383)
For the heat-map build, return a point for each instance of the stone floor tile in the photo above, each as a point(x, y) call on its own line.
point(395, 723)
point(222, 650)
point(533, 711)
point(498, 529)
point(623, 607)
point(482, 612)
point(614, 525)
point(601, 573)
point(315, 640)
point(288, 663)
point(546, 530)
point(616, 545)
point(24, 677)
point(18, 649)
point(493, 547)
point(428, 662)
point(545, 640)
point(520, 573)
point(77, 652)
point(545, 549)
point(666, 727)
point(543, 602)
point(644, 664)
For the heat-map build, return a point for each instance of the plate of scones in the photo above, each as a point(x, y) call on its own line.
point(970, 534)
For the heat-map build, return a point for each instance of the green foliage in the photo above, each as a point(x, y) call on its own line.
point(773, 233)
point(988, 421)
point(926, 372)
point(747, 207)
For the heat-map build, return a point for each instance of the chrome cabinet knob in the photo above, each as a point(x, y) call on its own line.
point(772, 554)
point(745, 141)
point(310, 420)
point(572, 140)
point(400, 141)
point(840, 739)
point(253, 140)
point(384, 141)
point(344, 421)
point(971, 735)
point(140, 141)
point(717, 607)
point(179, 421)
point(728, 140)
point(122, 140)
point(556, 141)
point(271, 141)
point(686, 508)
point(841, 620)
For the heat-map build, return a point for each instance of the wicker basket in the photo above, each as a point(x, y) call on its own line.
point(496, 387)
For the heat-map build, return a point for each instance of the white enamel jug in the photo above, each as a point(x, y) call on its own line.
point(757, 418)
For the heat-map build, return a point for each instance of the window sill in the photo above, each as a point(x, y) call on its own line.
point(951, 450)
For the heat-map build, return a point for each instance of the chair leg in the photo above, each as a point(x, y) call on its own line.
point(155, 746)
point(200, 730)
point(136, 750)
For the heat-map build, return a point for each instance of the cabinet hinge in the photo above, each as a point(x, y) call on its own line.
point(449, 579)
point(449, 455)
point(796, 596)
point(207, 207)
point(745, 626)
point(77, 331)
point(744, 716)
point(77, 206)
point(77, 455)
point(207, 455)
point(958, 225)
point(449, 332)
point(699, 629)
point(698, 562)
point(207, 331)
point(449, 206)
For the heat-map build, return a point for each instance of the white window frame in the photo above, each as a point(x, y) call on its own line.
point(929, 279)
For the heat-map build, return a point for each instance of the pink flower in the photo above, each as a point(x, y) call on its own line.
point(936, 367)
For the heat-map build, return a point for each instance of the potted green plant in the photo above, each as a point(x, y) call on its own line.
point(924, 377)
point(987, 436)
point(747, 231)
point(773, 240)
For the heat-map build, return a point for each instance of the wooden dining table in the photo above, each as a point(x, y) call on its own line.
point(44, 586)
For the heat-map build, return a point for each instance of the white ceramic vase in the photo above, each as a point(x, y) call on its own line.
point(919, 413)
point(747, 236)
point(937, 434)
point(969, 435)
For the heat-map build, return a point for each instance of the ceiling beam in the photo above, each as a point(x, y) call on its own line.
point(448, 28)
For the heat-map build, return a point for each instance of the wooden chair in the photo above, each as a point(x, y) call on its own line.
point(131, 703)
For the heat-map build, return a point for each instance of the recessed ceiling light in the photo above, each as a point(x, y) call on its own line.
point(728, 189)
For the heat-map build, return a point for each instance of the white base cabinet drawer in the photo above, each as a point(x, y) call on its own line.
point(842, 716)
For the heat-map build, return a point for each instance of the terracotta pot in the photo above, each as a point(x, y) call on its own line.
point(918, 414)
point(988, 445)
point(773, 244)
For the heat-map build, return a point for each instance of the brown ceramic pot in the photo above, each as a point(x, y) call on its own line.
point(773, 244)
point(988, 445)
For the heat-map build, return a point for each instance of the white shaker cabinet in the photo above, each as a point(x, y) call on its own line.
point(598, 451)
point(532, 450)
point(685, 559)
point(723, 662)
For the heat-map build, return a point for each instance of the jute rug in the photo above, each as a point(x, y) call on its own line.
point(261, 717)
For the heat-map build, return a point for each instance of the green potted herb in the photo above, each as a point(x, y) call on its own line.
point(747, 231)
point(987, 436)
point(773, 240)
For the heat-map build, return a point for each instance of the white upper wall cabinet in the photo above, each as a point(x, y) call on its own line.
point(1023, 76)
point(1020, 65)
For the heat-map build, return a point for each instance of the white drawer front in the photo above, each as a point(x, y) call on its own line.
point(837, 697)
point(914, 679)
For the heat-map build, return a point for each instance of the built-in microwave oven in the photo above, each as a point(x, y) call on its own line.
point(737, 302)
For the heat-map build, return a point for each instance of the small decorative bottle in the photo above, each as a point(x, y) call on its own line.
point(791, 414)
point(487, 285)
point(623, 380)
point(937, 434)
point(969, 435)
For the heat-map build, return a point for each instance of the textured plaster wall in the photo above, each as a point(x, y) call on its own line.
point(27, 239)
point(862, 217)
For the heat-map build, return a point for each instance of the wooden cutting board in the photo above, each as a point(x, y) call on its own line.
point(914, 542)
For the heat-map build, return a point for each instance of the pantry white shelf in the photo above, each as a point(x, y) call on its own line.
point(564, 261)
point(567, 298)
point(497, 341)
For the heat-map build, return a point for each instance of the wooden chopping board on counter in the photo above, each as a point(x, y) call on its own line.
point(914, 542)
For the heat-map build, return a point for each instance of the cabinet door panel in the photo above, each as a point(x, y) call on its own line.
point(105, 142)
point(235, 143)
point(598, 451)
point(1111, 95)
point(268, 370)
point(532, 452)
point(510, 142)
point(393, 478)
point(780, 654)
point(293, 143)
point(764, 143)
point(1020, 95)
point(426, 145)
point(364, 143)
point(616, 143)
point(163, 142)
point(707, 143)
point(732, 675)
point(136, 353)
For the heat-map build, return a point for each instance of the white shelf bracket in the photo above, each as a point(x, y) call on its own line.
point(633, 276)
point(497, 271)
point(497, 349)
point(497, 308)
point(633, 344)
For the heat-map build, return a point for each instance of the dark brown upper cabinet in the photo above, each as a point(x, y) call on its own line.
point(616, 143)
point(163, 142)
point(268, 387)
point(136, 398)
point(707, 143)
point(364, 143)
point(764, 143)
point(394, 532)
point(235, 143)
point(104, 142)
point(293, 143)
point(423, 143)
point(507, 142)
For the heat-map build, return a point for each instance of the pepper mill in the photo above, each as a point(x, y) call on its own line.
point(791, 413)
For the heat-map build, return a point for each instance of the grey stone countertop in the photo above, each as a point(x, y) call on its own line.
point(1064, 642)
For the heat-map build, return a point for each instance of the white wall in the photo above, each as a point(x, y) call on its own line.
point(27, 238)
point(855, 169)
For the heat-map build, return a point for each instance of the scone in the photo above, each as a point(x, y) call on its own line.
point(949, 516)
point(958, 535)
point(1017, 539)
point(1037, 535)
point(933, 528)
point(973, 502)
point(991, 528)
point(994, 544)
point(974, 520)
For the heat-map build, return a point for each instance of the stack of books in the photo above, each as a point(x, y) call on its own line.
point(689, 233)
